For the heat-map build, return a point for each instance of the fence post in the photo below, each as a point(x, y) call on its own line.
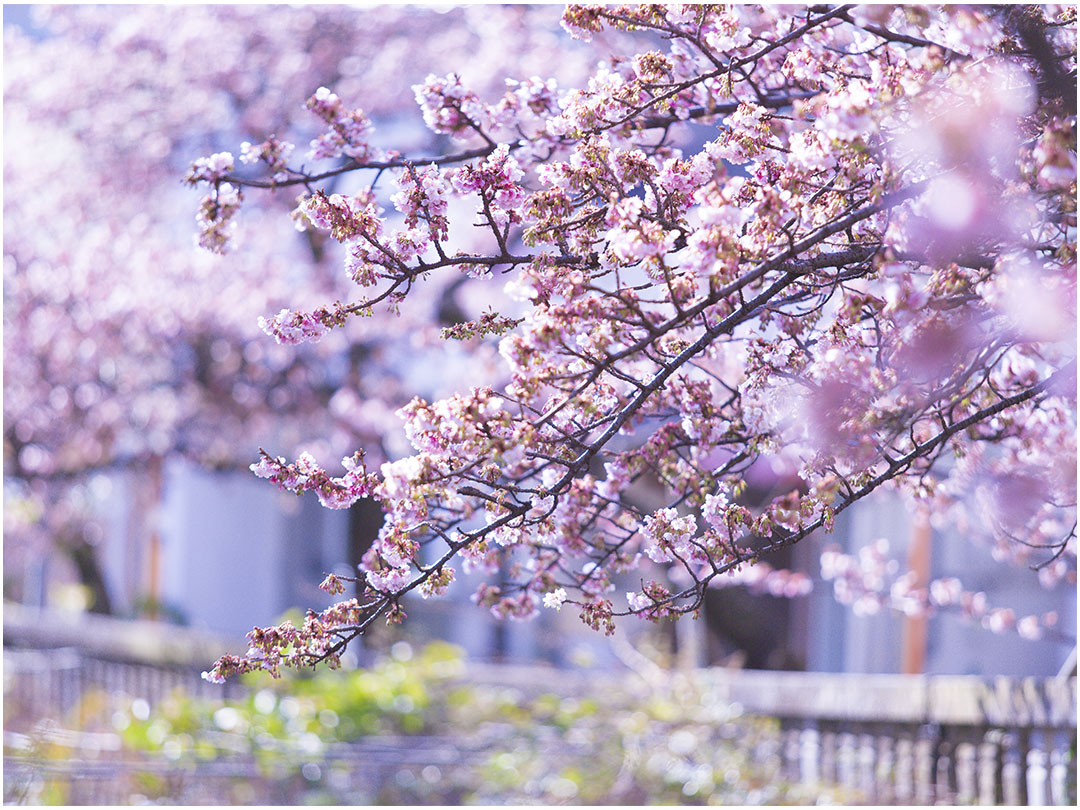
point(1037, 772)
point(989, 772)
point(924, 764)
point(790, 749)
point(905, 769)
point(866, 756)
point(809, 753)
point(1011, 781)
point(845, 759)
point(943, 788)
point(828, 751)
point(884, 789)
point(1059, 769)
point(966, 765)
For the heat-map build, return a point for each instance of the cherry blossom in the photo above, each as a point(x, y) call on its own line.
point(866, 276)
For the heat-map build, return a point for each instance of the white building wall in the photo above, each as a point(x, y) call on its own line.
point(238, 553)
point(119, 547)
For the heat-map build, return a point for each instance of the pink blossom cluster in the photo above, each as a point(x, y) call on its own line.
point(680, 180)
point(631, 238)
point(291, 328)
point(388, 569)
point(318, 639)
point(448, 107)
point(747, 134)
point(496, 181)
point(519, 606)
point(1054, 159)
point(668, 536)
point(424, 197)
point(332, 584)
point(610, 93)
point(526, 106)
point(273, 152)
point(306, 475)
point(651, 602)
point(212, 169)
point(215, 217)
point(349, 129)
point(216, 209)
point(347, 217)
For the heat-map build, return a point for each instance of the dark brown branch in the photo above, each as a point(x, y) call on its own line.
point(303, 178)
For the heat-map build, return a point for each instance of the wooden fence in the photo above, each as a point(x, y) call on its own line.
point(893, 739)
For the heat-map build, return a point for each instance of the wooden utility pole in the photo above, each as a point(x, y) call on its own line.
point(150, 520)
point(913, 633)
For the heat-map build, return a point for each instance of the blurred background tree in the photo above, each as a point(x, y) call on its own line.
point(124, 346)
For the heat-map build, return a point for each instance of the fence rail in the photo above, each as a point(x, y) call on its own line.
point(913, 739)
point(893, 739)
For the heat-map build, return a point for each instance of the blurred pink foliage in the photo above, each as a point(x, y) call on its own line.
point(122, 343)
